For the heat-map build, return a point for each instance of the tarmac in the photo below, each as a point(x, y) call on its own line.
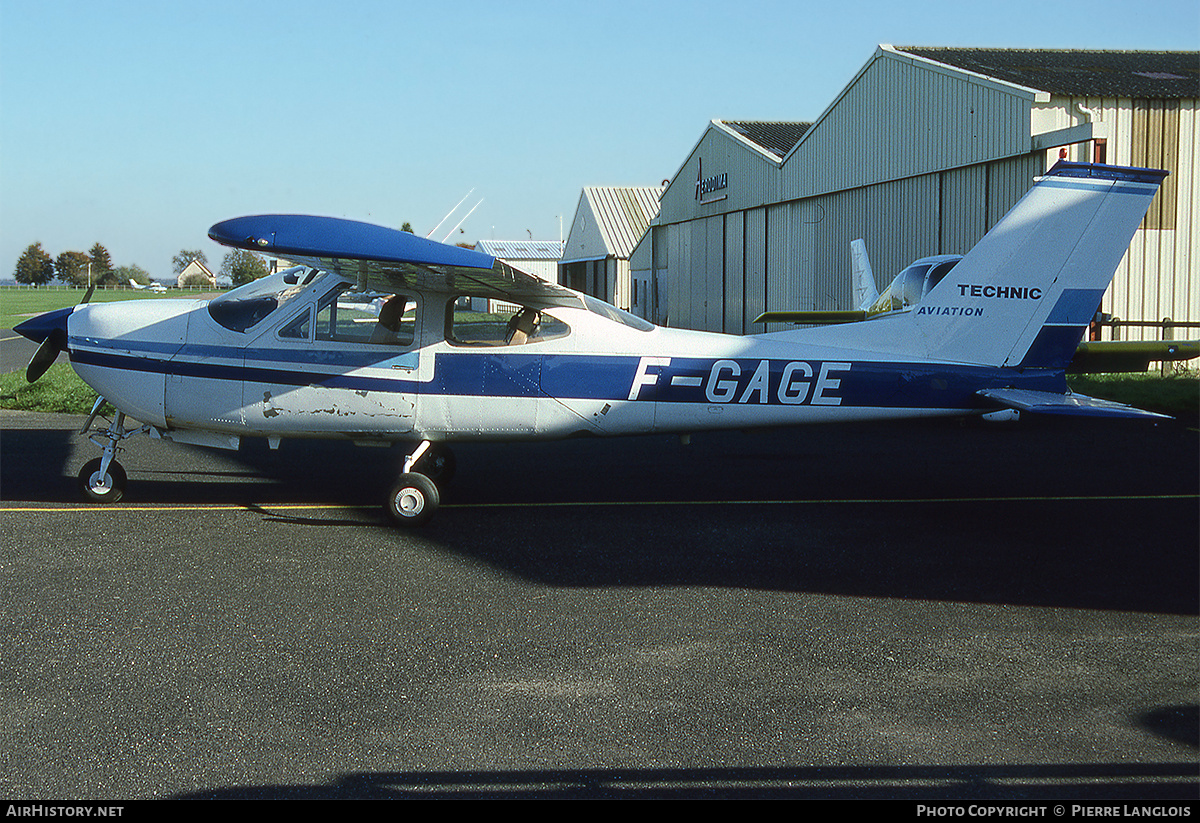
point(916, 611)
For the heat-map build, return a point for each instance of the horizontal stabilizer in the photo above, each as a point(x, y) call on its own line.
point(1041, 402)
point(1110, 356)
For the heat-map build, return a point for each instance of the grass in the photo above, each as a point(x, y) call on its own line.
point(17, 305)
point(59, 390)
point(1177, 395)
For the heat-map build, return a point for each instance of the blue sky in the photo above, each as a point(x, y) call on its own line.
point(140, 124)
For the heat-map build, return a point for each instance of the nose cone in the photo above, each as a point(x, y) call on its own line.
point(39, 328)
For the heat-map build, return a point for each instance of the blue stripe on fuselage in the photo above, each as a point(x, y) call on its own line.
point(713, 381)
point(379, 356)
point(251, 374)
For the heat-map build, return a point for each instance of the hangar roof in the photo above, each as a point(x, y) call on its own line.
point(1078, 73)
point(521, 249)
point(610, 220)
point(776, 138)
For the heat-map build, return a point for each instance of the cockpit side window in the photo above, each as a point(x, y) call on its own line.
point(480, 321)
point(904, 292)
point(299, 328)
point(246, 306)
point(347, 315)
point(912, 285)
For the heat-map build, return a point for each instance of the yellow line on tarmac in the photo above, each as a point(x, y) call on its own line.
point(267, 508)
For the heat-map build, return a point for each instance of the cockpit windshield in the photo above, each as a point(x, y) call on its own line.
point(613, 313)
point(912, 284)
point(247, 306)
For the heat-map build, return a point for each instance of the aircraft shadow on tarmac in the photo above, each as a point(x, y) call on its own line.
point(1087, 515)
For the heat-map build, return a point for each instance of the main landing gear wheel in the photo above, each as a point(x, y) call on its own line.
point(413, 500)
point(102, 488)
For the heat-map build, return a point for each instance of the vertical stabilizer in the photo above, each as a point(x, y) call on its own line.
point(865, 290)
point(1025, 293)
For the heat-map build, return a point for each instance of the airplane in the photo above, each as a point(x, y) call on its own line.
point(155, 287)
point(913, 284)
point(465, 347)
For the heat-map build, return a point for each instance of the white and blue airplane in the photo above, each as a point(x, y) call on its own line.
point(378, 336)
point(158, 288)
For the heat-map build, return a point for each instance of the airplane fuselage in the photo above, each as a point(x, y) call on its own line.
point(171, 364)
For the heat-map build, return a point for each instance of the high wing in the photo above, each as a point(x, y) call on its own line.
point(378, 256)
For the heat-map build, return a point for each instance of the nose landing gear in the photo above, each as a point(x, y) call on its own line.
point(102, 479)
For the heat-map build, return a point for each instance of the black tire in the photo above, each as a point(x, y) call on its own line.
point(102, 490)
point(413, 500)
point(438, 464)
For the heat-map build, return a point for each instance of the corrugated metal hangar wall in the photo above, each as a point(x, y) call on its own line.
point(916, 157)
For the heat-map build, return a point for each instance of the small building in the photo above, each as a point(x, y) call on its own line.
point(196, 273)
point(537, 257)
point(608, 223)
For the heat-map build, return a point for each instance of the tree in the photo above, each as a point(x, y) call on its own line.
point(242, 267)
point(407, 227)
point(34, 267)
point(72, 268)
point(102, 267)
point(180, 261)
point(137, 274)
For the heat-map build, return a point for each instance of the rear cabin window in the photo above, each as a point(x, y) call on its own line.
point(479, 321)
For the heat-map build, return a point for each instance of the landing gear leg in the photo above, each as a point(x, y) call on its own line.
point(434, 460)
point(102, 479)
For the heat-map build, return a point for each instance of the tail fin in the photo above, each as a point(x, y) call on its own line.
point(1024, 294)
point(865, 290)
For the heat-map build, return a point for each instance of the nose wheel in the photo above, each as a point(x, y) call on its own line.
point(102, 484)
point(413, 500)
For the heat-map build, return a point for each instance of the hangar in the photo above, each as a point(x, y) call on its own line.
point(609, 221)
point(920, 154)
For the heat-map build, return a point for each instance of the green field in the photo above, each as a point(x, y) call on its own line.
point(17, 305)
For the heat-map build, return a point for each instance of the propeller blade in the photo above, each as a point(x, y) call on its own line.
point(49, 330)
point(43, 358)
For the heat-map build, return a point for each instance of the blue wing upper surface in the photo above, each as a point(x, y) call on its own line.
point(364, 251)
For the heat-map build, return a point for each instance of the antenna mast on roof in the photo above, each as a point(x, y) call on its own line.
point(465, 216)
point(447, 217)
